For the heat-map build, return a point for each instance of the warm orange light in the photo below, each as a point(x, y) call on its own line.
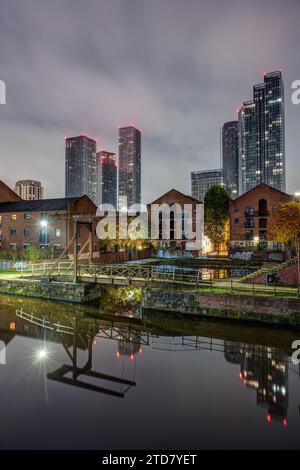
point(12, 326)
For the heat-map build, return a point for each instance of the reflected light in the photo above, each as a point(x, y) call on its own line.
point(42, 354)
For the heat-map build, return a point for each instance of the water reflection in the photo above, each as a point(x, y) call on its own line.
point(266, 370)
point(261, 367)
point(101, 370)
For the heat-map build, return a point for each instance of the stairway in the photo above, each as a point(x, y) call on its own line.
point(272, 270)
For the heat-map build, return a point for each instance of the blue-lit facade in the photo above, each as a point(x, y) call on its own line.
point(262, 136)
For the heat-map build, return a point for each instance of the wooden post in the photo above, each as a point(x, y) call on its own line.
point(90, 243)
point(75, 251)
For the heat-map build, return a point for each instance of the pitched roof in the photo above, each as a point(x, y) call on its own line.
point(7, 194)
point(42, 205)
point(175, 191)
point(259, 186)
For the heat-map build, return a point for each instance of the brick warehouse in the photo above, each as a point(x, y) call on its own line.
point(20, 222)
point(250, 219)
point(173, 245)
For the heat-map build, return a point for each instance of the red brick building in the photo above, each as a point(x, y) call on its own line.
point(171, 198)
point(22, 223)
point(7, 194)
point(250, 218)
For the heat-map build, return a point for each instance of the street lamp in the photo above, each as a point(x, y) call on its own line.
point(298, 256)
point(44, 225)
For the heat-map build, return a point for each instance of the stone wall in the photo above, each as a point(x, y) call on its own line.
point(242, 307)
point(63, 291)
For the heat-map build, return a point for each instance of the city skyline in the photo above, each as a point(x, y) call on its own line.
point(181, 105)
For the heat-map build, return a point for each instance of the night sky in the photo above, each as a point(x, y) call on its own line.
point(178, 69)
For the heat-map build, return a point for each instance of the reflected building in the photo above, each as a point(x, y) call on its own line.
point(264, 369)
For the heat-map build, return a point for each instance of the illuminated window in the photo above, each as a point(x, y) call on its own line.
point(13, 216)
point(12, 326)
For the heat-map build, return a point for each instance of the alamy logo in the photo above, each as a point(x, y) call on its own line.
point(296, 354)
point(155, 222)
point(2, 92)
point(2, 353)
point(296, 94)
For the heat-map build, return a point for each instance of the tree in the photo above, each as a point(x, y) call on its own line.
point(285, 225)
point(216, 215)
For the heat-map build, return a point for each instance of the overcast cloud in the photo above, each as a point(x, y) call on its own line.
point(178, 69)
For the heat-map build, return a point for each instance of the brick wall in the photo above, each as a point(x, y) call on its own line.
point(7, 194)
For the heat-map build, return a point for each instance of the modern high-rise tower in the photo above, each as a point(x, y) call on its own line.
point(201, 181)
point(107, 178)
point(29, 190)
point(230, 156)
point(81, 167)
point(262, 136)
point(129, 166)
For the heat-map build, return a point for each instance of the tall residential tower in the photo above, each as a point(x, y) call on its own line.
point(262, 136)
point(81, 167)
point(203, 180)
point(29, 190)
point(107, 178)
point(230, 156)
point(129, 166)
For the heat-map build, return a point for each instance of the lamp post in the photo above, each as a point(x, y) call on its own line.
point(44, 225)
point(298, 257)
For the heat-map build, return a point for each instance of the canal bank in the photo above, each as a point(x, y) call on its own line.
point(263, 309)
point(51, 290)
point(280, 309)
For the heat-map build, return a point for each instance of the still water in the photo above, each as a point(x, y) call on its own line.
point(76, 378)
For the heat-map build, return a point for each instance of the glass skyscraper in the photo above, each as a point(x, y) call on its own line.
point(107, 178)
point(262, 136)
point(81, 167)
point(203, 180)
point(230, 156)
point(129, 166)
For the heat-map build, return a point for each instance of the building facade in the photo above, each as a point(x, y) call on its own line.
point(250, 218)
point(107, 178)
point(262, 136)
point(174, 246)
point(230, 157)
point(22, 223)
point(29, 190)
point(201, 181)
point(81, 167)
point(129, 166)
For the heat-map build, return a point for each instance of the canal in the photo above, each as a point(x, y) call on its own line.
point(84, 377)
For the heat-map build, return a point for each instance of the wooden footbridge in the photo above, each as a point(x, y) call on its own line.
point(139, 275)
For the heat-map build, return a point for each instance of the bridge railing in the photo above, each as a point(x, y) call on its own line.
point(94, 273)
point(44, 269)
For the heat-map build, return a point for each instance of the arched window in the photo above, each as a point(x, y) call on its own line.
point(263, 207)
